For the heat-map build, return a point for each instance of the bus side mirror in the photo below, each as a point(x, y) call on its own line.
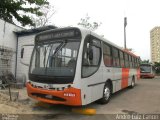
point(22, 52)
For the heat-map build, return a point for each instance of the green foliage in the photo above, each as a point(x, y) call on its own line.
point(157, 67)
point(145, 61)
point(87, 24)
point(21, 10)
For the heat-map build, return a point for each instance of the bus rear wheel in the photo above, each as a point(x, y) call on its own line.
point(132, 83)
point(106, 94)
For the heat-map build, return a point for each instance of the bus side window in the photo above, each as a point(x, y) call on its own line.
point(115, 57)
point(107, 55)
point(135, 63)
point(130, 61)
point(126, 60)
point(91, 56)
point(121, 58)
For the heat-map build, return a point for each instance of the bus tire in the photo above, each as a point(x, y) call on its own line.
point(106, 94)
point(132, 83)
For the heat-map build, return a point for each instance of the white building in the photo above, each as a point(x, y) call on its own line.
point(155, 44)
point(9, 39)
point(21, 41)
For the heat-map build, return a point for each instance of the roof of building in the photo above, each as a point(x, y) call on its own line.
point(12, 23)
point(34, 30)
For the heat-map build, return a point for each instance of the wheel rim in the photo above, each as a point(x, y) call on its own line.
point(106, 93)
point(133, 83)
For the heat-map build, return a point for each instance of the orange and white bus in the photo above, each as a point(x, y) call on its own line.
point(147, 70)
point(73, 66)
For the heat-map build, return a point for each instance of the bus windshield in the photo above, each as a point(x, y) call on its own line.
point(55, 59)
point(145, 69)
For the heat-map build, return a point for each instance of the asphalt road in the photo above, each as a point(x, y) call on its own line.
point(143, 98)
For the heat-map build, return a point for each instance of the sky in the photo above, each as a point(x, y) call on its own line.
point(142, 16)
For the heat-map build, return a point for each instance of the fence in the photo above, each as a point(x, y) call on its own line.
point(6, 54)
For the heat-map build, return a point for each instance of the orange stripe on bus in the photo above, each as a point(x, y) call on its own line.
point(138, 74)
point(64, 94)
point(125, 77)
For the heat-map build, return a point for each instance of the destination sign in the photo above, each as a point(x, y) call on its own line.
point(58, 34)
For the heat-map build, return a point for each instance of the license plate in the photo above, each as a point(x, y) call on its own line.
point(49, 96)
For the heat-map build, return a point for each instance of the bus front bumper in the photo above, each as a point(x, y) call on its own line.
point(68, 96)
point(146, 75)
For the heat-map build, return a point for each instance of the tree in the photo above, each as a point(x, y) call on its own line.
point(145, 61)
point(48, 12)
point(21, 10)
point(157, 67)
point(89, 25)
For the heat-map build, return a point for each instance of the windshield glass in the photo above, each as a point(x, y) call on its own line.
point(55, 59)
point(145, 69)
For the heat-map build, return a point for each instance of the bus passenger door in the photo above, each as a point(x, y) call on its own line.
point(92, 72)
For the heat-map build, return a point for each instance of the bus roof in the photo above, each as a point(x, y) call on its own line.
point(113, 44)
point(86, 31)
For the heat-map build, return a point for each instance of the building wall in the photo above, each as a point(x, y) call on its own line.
point(9, 39)
point(155, 44)
point(25, 42)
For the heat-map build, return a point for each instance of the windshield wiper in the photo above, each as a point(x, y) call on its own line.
point(58, 48)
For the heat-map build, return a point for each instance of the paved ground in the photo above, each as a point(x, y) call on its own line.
point(144, 98)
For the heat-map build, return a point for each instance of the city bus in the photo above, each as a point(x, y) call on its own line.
point(75, 67)
point(147, 70)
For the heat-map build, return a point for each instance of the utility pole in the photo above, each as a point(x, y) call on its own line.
point(125, 24)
